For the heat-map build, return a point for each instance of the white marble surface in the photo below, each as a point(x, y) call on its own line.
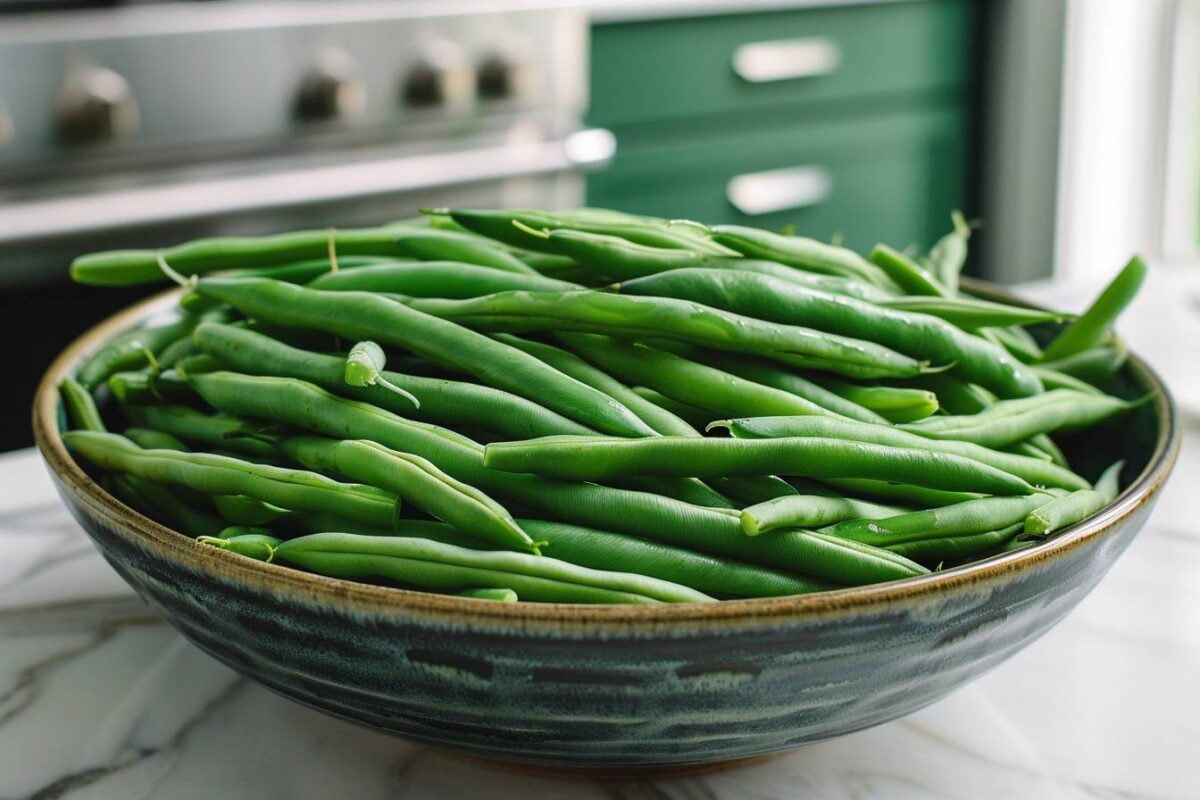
point(99, 699)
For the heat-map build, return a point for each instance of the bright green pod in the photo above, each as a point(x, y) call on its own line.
point(446, 402)
point(450, 279)
point(800, 252)
point(915, 335)
point(1091, 328)
point(434, 565)
point(586, 458)
point(1069, 509)
point(1036, 471)
point(359, 315)
point(810, 511)
point(906, 273)
point(961, 519)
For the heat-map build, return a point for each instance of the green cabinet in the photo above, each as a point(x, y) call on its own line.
point(870, 141)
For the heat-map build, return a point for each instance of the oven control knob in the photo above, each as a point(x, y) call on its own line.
point(500, 76)
point(331, 90)
point(442, 77)
point(96, 105)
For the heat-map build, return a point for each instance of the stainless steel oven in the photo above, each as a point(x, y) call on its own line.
point(150, 123)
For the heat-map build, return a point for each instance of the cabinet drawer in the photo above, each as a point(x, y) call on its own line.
point(891, 179)
point(679, 68)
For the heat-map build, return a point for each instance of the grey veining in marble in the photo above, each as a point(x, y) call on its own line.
point(98, 699)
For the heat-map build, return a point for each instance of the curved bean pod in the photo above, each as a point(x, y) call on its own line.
point(906, 273)
point(449, 279)
point(213, 474)
point(953, 548)
point(552, 580)
point(1010, 421)
point(687, 381)
point(1093, 325)
point(599, 458)
point(446, 402)
point(416, 481)
point(919, 336)
point(359, 315)
point(961, 519)
point(799, 252)
point(1035, 471)
point(665, 317)
point(810, 511)
point(1069, 509)
point(971, 314)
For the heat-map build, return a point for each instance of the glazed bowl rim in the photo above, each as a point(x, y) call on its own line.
point(279, 580)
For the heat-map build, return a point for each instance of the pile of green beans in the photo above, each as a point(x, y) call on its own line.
point(590, 406)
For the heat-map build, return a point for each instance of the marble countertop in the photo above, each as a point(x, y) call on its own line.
point(100, 699)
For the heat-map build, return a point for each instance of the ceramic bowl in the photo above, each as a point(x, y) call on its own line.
point(615, 686)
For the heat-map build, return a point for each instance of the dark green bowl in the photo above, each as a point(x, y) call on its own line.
point(614, 686)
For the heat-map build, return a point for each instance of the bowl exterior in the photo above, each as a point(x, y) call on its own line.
point(594, 696)
point(603, 686)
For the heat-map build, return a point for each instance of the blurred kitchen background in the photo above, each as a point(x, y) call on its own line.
point(1071, 128)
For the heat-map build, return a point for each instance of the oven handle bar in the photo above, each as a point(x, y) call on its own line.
point(151, 205)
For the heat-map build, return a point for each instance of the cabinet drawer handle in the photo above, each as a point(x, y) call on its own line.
point(786, 59)
point(758, 193)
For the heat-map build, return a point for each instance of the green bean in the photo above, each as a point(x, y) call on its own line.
point(415, 480)
point(961, 519)
point(435, 279)
point(687, 381)
point(1035, 471)
point(234, 531)
point(915, 335)
point(955, 396)
point(1010, 421)
point(212, 474)
point(698, 418)
point(364, 367)
point(1044, 443)
point(1053, 379)
point(658, 419)
point(587, 547)
point(599, 458)
point(443, 245)
point(490, 593)
point(156, 501)
point(195, 426)
point(902, 493)
point(130, 267)
point(1069, 509)
point(1090, 329)
point(1095, 365)
point(753, 489)
point(1016, 340)
point(809, 511)
point(799, 252)
point(433, 565)
point(893, 403)
point(239, 509)
point(971, 314)
point(445, 402)
point(129, 349)
point(142, 387)
point(148, 439)
point(618, 259)
point(906, 273)
point(300, 272)
point(80, 408)
point(360, 315)
point(709, 530)
point(956, 547)
point(176, 351)
point(663, 317)
point(499, 225)
point(948, 255)
point(777, 377)
point(258, 546)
